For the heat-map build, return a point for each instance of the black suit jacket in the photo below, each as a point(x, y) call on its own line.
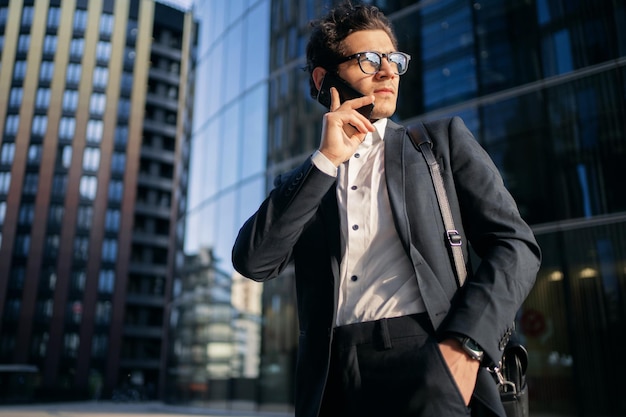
point(299, 221)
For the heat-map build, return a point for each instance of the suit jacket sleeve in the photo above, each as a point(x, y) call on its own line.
point(485, 308)
point(264, 245)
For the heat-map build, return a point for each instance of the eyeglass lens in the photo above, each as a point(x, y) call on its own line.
point(370, 62)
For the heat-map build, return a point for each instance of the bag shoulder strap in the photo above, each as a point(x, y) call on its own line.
point(422, 142)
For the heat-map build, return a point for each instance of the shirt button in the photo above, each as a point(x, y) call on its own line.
point(354, 278)
point(355, 227)
point(357, 155)
point(354, 187)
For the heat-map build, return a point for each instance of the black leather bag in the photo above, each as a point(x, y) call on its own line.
point(511, 374)
point(512, 380)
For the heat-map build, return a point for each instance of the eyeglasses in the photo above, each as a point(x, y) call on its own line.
point(370, 61)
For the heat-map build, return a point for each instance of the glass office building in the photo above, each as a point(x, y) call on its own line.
point(215, 312)
point(541, 84)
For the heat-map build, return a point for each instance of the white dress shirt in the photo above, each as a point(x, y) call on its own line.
point(377, 279)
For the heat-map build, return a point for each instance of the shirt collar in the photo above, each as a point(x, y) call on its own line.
point(381, 125)
point(379, 134)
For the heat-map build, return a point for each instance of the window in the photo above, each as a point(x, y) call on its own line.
point(12, 124)
point(78, 280)
point(100, 77)
point(48, 279)
point(88, 186)
point(103, 312)
point(31, 181)
point(40, 123)
point(103, 51)
point(109, 250)
point(118, 162)
point(81, 248)
point(26, 214)
point(44, 311)
point(67, 127)
point(55, 214)
point(121, 135)
point(127, 82)
point(27, 15)
point(19, 70)
point(84, 217)
point(23, 44)
point(50, 44)
point(59, 185)
point(40, 343)
point(3, 211)
point(12, 308)
point(4, 13)
point(112, 220)
point(71, 340)
point(129, 58)
point(18, 275)
point(77, 46)
point(5, 182)
point(70, 100)
point(72, 76)
point(106, 281)
point(42, 101)
point(80, 20)
point(91, 159)
point(15, 97)
point(7, 153)
point(46, 71)
point(116, 188)
point(94, 131)
point(34, 153)
point(123, 108)
point(97, 104)
point(99, 345)
point(53, 242)
point(22, 244)
point(106, 24)
point(54, 17)
point(64, 156)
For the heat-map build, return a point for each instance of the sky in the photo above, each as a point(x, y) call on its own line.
point(183, 4)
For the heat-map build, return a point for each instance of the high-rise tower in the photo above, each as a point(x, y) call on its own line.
point(95, 117)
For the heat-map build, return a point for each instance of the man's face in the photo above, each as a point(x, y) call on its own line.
point(384, 84)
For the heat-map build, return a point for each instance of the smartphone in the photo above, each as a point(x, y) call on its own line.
point(346, 92)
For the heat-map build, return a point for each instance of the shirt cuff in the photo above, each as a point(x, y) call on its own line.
point(323, 164)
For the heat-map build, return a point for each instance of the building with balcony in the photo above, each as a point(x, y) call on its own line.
point(96, 101)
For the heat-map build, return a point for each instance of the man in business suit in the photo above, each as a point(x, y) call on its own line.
point(384, 328)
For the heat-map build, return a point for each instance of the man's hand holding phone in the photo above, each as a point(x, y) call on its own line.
point(344, 127)
point(348, 120)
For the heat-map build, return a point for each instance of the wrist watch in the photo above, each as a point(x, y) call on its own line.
point(471, 347)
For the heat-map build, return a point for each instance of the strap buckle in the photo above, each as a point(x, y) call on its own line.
point(454, 237)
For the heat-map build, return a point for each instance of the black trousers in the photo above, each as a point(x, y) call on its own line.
point(390, 367)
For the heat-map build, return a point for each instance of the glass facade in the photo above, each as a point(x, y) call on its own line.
point(215, 319)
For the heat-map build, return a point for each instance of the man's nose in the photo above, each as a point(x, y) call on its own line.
point(386, 69)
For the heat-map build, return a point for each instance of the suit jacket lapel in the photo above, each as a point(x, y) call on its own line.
point(395, 177)
point(399, 147)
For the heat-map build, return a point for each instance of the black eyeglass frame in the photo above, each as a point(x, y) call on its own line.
point(358, 55)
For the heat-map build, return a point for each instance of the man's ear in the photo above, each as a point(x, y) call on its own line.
point(318, 76)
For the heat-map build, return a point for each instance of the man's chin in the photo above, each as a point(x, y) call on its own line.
point(381, 114)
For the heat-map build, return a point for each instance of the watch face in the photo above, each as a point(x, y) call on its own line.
point(473, 349)
point(471, 344)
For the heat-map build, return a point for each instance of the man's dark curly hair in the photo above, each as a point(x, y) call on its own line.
point(325, 45)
